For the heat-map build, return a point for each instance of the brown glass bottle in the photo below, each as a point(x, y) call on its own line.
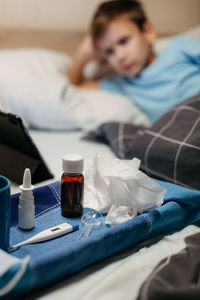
point(72, 185)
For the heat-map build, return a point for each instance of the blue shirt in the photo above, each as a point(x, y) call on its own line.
point(173, 77)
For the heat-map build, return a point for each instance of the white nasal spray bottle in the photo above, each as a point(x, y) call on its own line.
point(26, 207)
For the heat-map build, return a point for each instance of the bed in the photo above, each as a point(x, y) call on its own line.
point(140, 271)
point(158, 266)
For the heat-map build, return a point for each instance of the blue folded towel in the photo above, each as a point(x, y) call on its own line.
point(67, 254)
point(46, 198)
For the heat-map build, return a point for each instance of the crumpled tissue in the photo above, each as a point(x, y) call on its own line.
point(119, 188)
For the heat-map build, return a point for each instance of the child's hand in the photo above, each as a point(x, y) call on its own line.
point(86, 51)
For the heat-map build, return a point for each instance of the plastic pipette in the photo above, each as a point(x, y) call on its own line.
point(26, 207)
point(48, 234)
point(90, 220)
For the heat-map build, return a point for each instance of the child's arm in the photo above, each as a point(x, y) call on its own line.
point(84, 54)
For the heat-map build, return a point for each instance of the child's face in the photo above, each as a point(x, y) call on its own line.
point(125, 47)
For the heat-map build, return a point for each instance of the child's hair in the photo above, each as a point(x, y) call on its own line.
point(110, 10)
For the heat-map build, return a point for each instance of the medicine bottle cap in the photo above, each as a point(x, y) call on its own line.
point(72, 163)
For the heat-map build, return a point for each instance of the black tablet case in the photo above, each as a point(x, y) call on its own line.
point(17, 151)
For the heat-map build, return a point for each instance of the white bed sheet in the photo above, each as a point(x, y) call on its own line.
point(120, 276)
point(52, 145)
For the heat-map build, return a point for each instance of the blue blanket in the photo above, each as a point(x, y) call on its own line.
point(65, 255)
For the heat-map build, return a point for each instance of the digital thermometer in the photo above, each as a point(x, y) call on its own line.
point(48, 234)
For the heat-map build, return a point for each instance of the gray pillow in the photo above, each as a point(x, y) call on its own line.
point(169, 150)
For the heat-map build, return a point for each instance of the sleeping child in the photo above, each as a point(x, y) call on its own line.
point(122, 36)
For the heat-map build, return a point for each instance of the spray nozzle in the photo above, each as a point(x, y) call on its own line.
point(26, 181)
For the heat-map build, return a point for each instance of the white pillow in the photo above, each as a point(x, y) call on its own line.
point(31, 86)
point(106, 106)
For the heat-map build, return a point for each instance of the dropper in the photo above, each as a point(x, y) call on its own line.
point(26, 207)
